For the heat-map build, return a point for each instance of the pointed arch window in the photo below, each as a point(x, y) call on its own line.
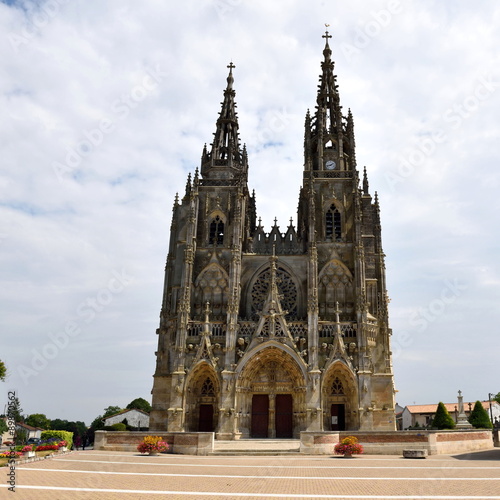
point(333, 224)
point(216, 236)
point(208, 389)
point(337, 387)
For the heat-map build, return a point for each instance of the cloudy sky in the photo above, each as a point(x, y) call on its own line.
point(106, 107)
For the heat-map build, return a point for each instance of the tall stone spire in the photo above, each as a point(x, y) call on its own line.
point(329, 136)
point(225, 152)
point(328, 110)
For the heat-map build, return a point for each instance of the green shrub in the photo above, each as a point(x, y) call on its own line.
point(61, 435)
point(479, 417)
point(21, 437)
point(442, 419)
point(119, 427)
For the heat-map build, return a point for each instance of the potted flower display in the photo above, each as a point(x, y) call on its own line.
point(348, 447)
point(152, 445)
point(28, 451)
point(62, 445)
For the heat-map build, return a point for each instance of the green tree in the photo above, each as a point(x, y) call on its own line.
point(497, 398)
point(3, 426)
point(442, 419)
point(58, 425)
point(77, 428)
point(3, 371)
point(21, 437)
point(38, 420)
point(139, 404)
point(97, 424)
point(111, 410)
point(479, 417)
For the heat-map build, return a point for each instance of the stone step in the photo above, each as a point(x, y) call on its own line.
point(274, 453)
point(257, 447)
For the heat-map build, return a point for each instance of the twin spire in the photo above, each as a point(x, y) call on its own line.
point(225, 150)
point(328, 114)
point(225, 159)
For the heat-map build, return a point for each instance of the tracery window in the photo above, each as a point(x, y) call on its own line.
point(334, 285)
point(212, 285)
point(208, 389)
point(333, 223)
point(216, 235)
point(286, 289)
point(337, 387)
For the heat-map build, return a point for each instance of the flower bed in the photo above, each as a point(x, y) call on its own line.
point(10, 454)
point(46, 447)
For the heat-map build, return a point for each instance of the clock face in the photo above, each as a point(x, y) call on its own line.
point(330, 165)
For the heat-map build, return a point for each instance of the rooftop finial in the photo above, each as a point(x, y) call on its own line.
point(230, 78)
point(327, 51)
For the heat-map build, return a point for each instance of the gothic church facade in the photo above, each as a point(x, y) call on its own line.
point(266, 335)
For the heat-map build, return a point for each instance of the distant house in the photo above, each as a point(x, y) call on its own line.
point(398, 410)
point(424, 414)
point(31, 432)
point(135, 418)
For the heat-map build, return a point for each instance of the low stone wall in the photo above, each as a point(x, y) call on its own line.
point(452, 442)
point(184, 443)
point(394, 442)
point(318, 443)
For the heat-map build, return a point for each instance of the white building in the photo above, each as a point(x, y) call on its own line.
point(134, 417)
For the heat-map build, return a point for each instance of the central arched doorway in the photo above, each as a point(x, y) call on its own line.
point(271, 395)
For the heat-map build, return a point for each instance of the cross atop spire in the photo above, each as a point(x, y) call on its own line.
point(326, 35)
point(230, 79)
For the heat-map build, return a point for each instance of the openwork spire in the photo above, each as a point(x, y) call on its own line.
point(329, 136)
point(328, 110)
point(225, 154)
point(226, 141)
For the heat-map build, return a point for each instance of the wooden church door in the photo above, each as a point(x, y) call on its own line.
point(284, 416)
point(260, 416)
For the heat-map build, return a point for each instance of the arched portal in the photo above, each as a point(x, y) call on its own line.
point(202, 399)
point(270, 395)
point(340, 399)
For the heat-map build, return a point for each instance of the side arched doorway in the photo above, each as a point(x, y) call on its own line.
point(271, 395)
point(202, 400)
point(340, 397)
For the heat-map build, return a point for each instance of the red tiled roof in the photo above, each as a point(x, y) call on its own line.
point(29, 427)
point(449, 406)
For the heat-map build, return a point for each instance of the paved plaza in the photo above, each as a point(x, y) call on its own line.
point(85, 475)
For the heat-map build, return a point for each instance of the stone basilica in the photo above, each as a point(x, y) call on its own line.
point(263, 334)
